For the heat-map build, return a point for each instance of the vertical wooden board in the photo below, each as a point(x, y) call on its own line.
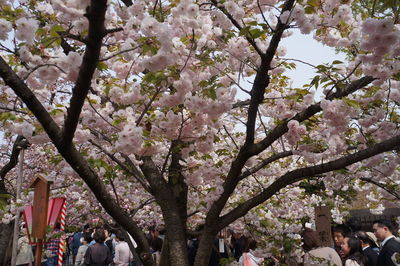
point(40, 205)
point(323, 225)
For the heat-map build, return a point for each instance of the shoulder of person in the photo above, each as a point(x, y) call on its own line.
point(392, 244)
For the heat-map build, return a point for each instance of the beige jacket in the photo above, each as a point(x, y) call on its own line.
point(322, 256)
point(24, 255)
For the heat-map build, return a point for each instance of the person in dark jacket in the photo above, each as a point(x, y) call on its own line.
point(369, 247)
point(76, 241)
point(98, 254)
point(383, 230)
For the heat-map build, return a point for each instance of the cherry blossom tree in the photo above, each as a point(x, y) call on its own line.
point(138, 99)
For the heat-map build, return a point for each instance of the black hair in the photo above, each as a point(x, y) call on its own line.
point(385, 223)
point(249, 244)
point(355, 252)
point(86, 227)
point(87, 237)
point(99, 236)
point(120, 236)
point(343, 229)
point(57, 226)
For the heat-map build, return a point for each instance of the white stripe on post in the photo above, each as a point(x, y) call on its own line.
point(62, 229)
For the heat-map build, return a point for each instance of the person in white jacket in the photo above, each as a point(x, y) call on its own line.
point(24, 255)
point(248, 257)
point(86, 239)
point(123, 255)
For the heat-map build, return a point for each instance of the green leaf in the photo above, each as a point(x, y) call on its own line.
point(244, 31)
point(55, 29)
point(5, 196)
point(314, 3)
point(315, 81)
point(255, 33)
point(7, 115)
point(309, 10)
point(102, 66)
point(337, 62)
point(352, 103)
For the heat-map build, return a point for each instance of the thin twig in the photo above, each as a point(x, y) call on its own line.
point(95, 110)
point(233, 140)
point(39, 66)
point(262, 14)
point(190, 52)
point(147, 106)
point(120, 52)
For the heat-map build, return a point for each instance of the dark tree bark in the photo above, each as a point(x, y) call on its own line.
point(6, 230)
point(6, 236)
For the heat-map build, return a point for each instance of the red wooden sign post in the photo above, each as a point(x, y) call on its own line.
point(41, 188)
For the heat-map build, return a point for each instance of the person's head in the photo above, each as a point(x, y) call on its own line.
point(120, 236)
point(106, 229)
point(310, 239)
point(351, 249)
point(87, 237)
point(382, 229)
point(339, 232)
point(156, 244)
point(366, 239)
point(154, 231)
point(99, 236)
point(350, 245)
point(86, 228)
point(250, 244)
point(57, 226)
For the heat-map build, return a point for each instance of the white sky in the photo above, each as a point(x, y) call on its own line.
point(305, 48)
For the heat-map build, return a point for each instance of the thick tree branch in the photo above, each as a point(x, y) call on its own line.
point(19, 143)
point(309, 112)
point(276, 38)
point(96, 16)
point(100, 191)
point(177, 180)
point(299, 174)
point(262, 79)
point(264, 163)
point(165, 196)
point(127, 2)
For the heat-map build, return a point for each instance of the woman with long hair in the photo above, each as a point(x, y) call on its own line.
point(248, 257)
point(352, 252)
point(314, 253)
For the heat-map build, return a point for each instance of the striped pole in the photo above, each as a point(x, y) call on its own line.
point(61, 247)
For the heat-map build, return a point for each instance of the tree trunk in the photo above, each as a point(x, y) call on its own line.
point(6, 232)
point(203, 253)
point(175, 232)
point(165, 259)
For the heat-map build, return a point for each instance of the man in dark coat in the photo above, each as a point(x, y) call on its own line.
point(383, 230)
point(369, 247)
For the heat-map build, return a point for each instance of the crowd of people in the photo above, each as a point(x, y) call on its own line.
point(354, 247)
point(107, 246)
